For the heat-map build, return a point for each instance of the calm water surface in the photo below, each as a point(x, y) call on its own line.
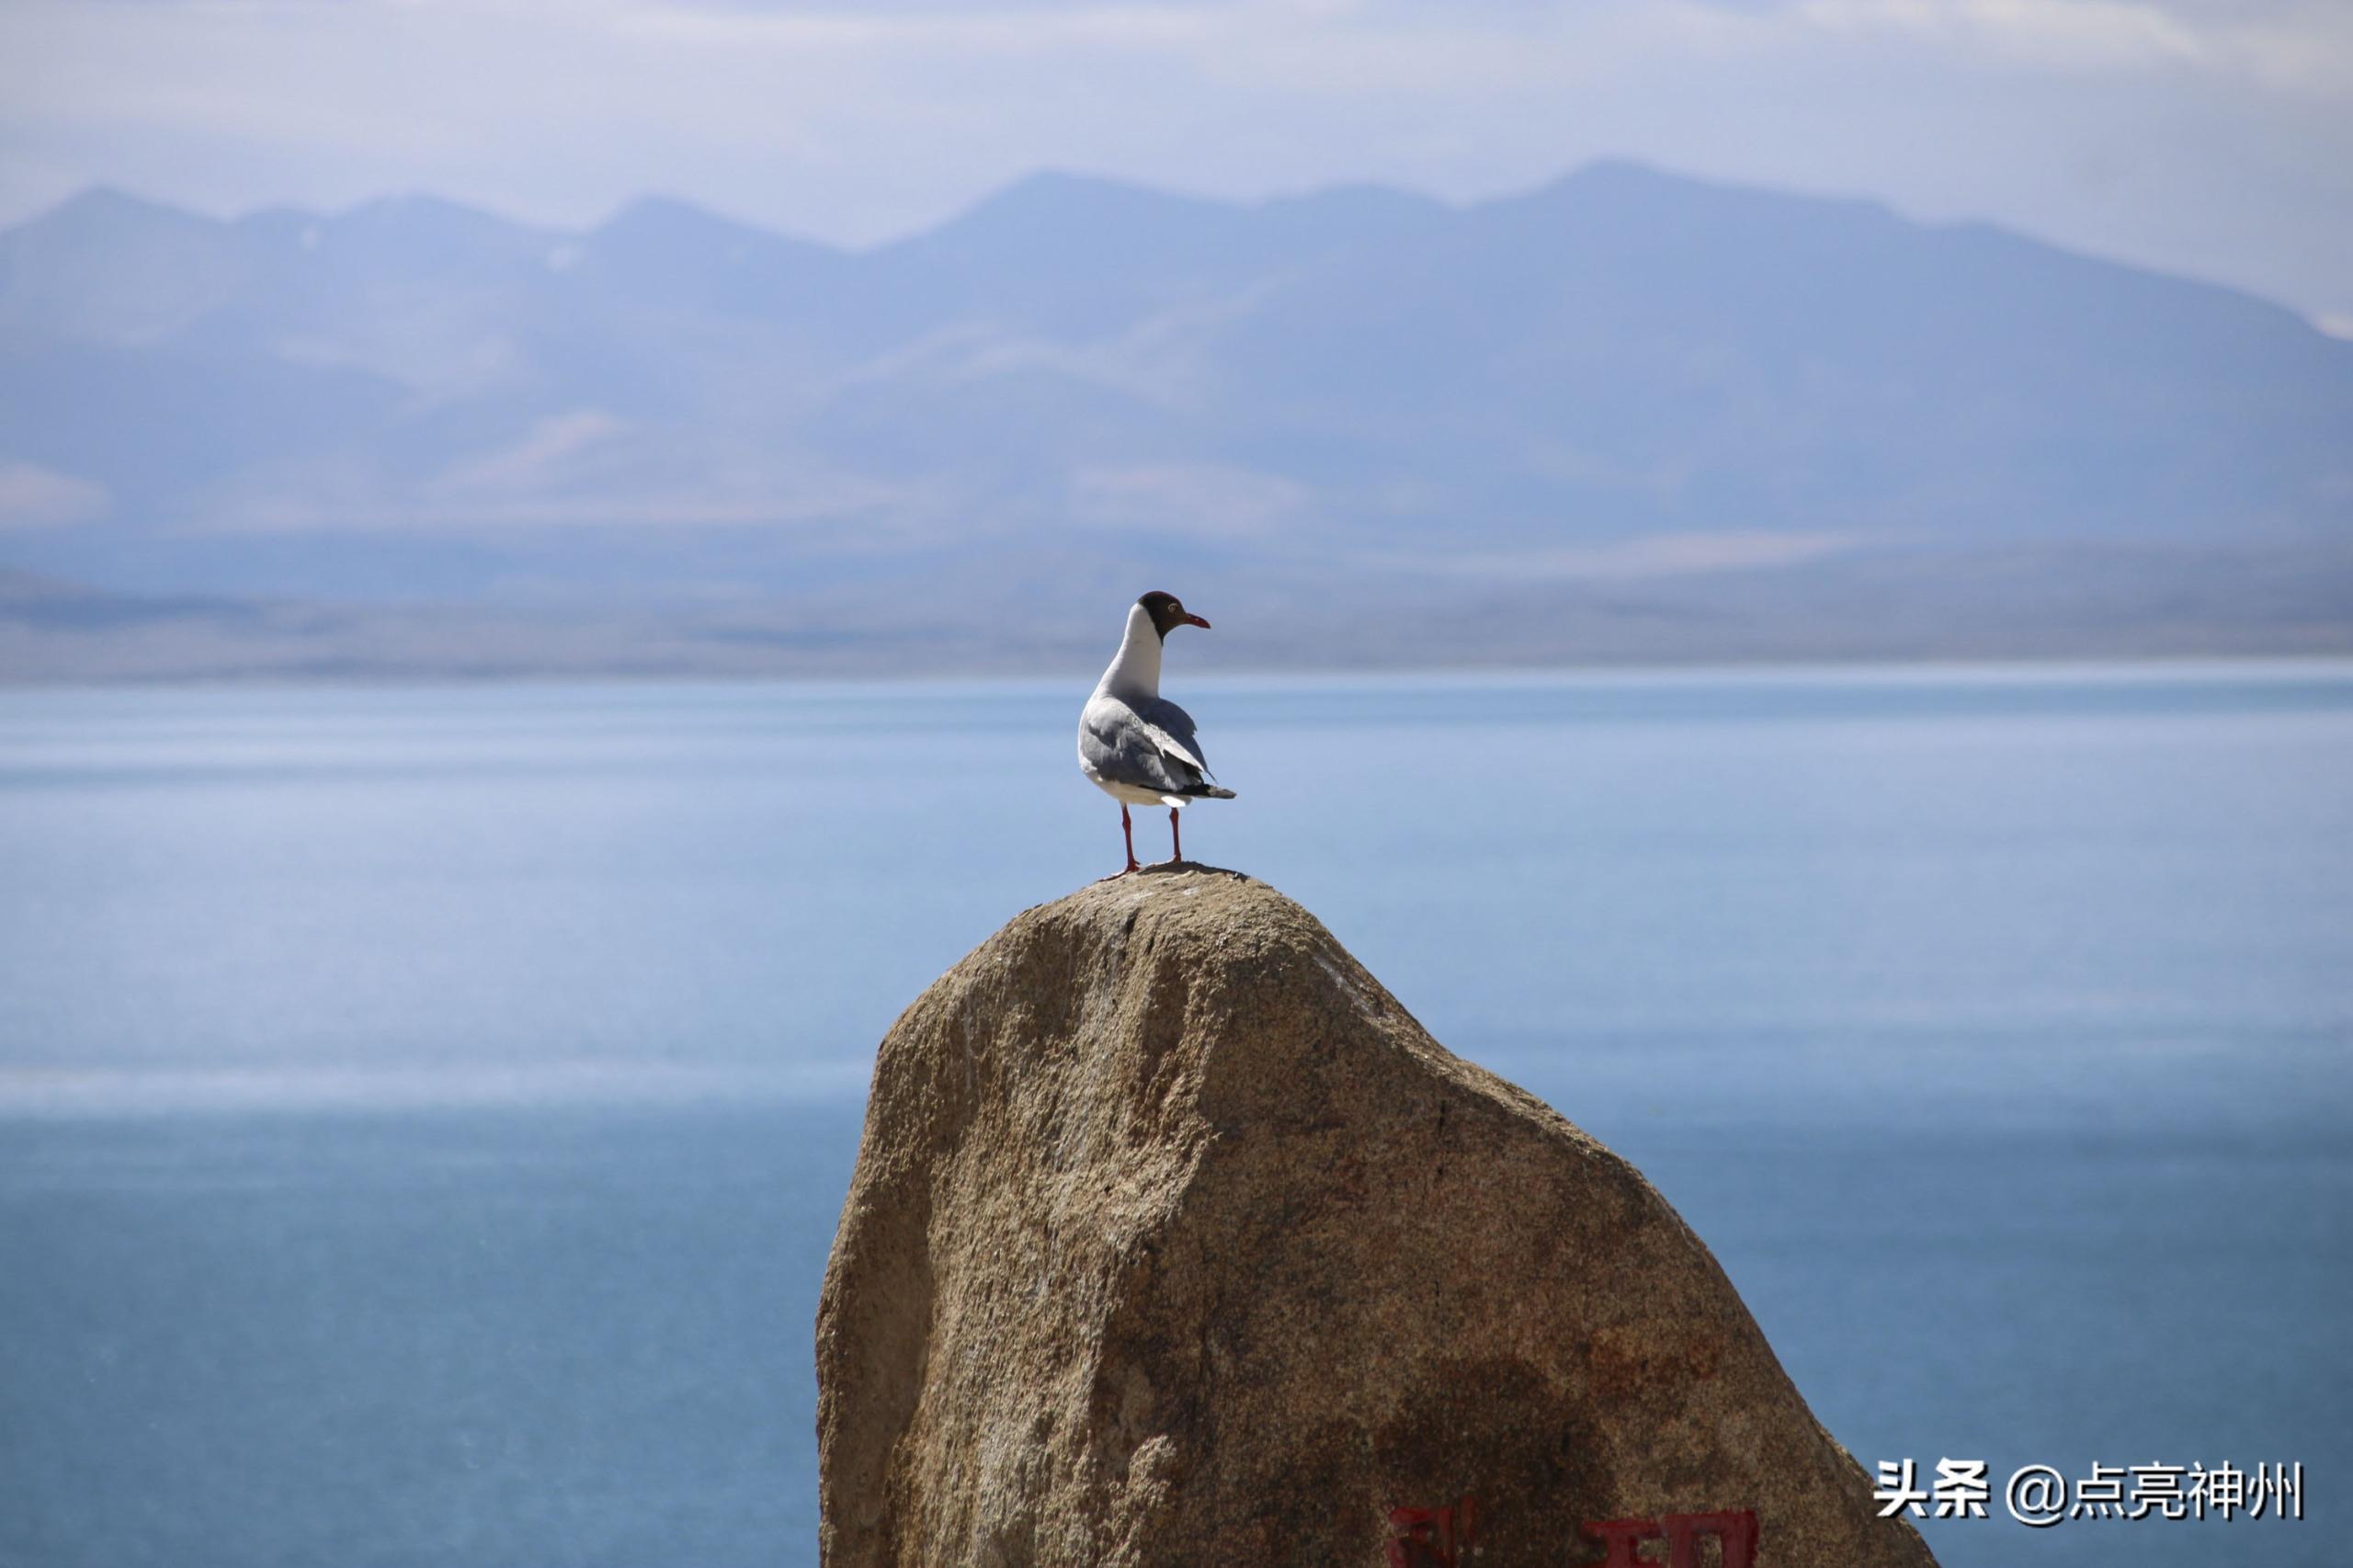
point(423, 1114)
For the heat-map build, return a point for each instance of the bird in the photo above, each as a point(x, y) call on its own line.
point(1134, 744)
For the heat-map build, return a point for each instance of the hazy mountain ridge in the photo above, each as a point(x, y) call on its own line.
point(1622, 373)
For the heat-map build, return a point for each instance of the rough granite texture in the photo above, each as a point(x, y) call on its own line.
point(1175, 1240)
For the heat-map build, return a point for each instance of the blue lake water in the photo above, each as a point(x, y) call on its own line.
point(424, 1113)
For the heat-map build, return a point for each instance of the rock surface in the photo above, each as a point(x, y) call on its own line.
point(1175, 1240)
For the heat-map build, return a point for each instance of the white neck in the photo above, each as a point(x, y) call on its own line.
point(1135, 668)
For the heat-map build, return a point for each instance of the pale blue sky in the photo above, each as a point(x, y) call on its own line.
point(2208, 137)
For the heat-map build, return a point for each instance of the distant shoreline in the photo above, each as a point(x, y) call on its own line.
point(2317, 665)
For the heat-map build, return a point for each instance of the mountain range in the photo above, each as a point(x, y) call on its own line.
point(1626, 415)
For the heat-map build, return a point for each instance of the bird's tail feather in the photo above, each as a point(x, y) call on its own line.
point(1210, 792)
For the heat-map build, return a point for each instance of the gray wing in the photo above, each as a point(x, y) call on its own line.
point(1172, 729)
point(1150, 746)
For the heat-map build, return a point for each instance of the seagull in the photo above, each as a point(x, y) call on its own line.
point(1137, 747)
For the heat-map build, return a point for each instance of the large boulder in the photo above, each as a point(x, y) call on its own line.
point(1175, 1240)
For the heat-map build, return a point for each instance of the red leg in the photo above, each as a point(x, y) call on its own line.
point(1176, 840)
point(1128, 832)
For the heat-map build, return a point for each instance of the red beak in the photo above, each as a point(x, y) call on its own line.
point(1192, 619)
